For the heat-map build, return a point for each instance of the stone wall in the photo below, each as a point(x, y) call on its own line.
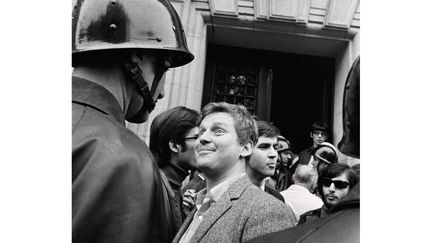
point(328, 21)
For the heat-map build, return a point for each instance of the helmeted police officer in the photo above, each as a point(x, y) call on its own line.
point(121, 50)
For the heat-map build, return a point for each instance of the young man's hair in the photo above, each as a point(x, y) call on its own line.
point(319, 126)
point(244, 123)
point(170, 125)
point(335, 170)
point(266, 129)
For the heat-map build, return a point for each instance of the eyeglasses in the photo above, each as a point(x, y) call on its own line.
point(338, 184)
point(319, 133)
point(193, 137)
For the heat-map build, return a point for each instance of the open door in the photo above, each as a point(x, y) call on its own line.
point(292, 91)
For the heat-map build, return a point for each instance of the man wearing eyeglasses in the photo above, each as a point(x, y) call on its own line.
point(334, 184)
point(319, 134)
point(172, 138)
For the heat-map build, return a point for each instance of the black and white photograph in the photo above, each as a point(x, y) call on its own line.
point(213, 121)
point(167, 91)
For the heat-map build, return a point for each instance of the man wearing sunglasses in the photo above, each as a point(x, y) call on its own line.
point(172, 139)
point(334, 184)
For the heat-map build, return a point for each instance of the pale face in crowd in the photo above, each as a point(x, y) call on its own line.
point(264, 157)
point(318, 137)
point(284, 154)
point(217, 148)
point(186, 154)
point(332, 194)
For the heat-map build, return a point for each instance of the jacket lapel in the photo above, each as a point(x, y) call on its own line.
point(211, 216)
point(221, 207)
point(184, 226)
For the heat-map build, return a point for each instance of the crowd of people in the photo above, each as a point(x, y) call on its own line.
point(215, 175)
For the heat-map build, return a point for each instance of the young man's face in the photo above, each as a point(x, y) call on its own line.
point(264, 156)
point(217, 148)
point(332, 194)
point(318, 137)
point(186, 155)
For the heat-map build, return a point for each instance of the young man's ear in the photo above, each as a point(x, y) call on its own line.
point(173, 147)
point(247, 149)
point(311, 134)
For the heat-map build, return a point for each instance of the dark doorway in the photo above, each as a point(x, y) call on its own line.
point(290, 90)
point(302, 94)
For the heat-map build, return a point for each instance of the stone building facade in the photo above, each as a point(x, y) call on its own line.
point(311, 33)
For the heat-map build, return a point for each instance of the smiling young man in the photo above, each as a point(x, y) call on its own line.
point(230, 208)
point(262, 163)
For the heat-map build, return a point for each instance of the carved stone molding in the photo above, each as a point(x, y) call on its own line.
point(303, 11)
point(340, 13)
point(283, 10)
point(261, 9)
point(224, 7)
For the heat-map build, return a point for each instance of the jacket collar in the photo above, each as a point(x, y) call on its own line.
point(175, 174)
point(94, 95)
point(234, 192)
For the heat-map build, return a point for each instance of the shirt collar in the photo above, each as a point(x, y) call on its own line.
point(217, 191)
point(262, 184)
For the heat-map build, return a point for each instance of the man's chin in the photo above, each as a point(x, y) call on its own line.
point(139, 118)
point(204, 165)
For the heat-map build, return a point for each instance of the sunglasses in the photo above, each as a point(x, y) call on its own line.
point(337, 183)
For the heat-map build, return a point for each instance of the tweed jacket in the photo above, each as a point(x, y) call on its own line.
point(270, 190)
point(242, 213)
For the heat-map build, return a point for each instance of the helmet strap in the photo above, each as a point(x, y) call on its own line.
point(134, 72)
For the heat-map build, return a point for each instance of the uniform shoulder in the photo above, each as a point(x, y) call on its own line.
point(108, 141)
